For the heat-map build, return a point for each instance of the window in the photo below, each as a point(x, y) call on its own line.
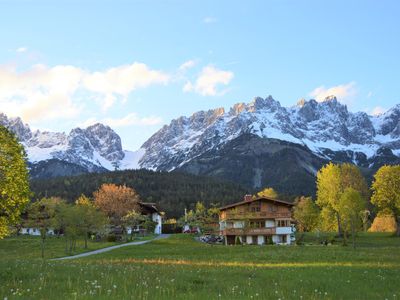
point(255, 206)
point(273, 208)
point(283, 223)
point(257, 224)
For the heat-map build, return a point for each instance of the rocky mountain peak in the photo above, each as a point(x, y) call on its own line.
point(22, 131)
point(258, 103)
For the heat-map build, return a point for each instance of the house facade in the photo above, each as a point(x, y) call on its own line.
point(257, 221)
point(151, 210)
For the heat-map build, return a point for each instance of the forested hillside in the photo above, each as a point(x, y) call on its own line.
point(171, 191)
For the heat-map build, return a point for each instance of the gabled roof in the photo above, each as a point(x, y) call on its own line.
point(256, 199)
point(150, 206)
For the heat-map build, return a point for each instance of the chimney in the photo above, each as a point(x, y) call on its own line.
point(248, 197)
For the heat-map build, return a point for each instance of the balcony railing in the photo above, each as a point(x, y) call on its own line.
point(248, 231)
point(255, 215)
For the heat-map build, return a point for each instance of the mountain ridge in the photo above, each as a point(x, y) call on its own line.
point(222, 143)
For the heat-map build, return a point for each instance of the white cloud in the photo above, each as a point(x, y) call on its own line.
point(128, 120)
point(43, 92)
point(122, 80)
point(208, 80)
point(39, 93)
point(378, 110)
point(345, 92)
point(21, 49)
point(187, 65)
point(209, 20)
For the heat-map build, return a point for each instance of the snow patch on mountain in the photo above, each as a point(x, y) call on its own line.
point(320, 126)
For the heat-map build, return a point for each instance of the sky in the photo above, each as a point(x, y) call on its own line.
point(136, 65)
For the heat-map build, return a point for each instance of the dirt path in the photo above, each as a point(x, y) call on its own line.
point(162, 236)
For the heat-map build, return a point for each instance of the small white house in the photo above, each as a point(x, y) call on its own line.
point(149, 209)
point(35, 231)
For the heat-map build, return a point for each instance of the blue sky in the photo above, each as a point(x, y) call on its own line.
point(136, 65)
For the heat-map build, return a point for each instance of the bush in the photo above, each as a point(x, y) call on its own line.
point(384, 223)
point(111, 238)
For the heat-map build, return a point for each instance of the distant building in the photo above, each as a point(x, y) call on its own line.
point(34, 231)
point(151, 210)
point(257, 221)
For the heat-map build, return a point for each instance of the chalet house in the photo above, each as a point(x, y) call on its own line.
point(148, 209)
point(151, 210)
point(257, 221)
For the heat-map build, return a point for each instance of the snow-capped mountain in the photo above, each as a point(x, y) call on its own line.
point(96, 148)
point(257, 144)
point(323, 127)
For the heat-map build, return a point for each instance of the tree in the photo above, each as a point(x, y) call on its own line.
point(14, 184)
point(351, 207)
point(332, 180)
point(92, 218)
point(306, 213)
point(133, 219)
point(267, 192)
point(41, 215)
point(386, 191)
point(116, 201)
point(201, 217)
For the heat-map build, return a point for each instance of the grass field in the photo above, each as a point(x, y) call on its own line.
point(181, 268)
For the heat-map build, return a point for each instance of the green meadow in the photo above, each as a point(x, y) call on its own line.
point(181, 268)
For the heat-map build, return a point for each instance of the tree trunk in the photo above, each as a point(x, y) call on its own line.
point(344, 238)
point(42, 247)
point(86, 237)
point(398, 225)
point(339, 225)
point(353, 233)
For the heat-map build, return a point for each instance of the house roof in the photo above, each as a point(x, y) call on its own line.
point(256, 199)
point(150, 206)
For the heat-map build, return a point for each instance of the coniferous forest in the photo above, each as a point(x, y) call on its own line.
point(172, 192)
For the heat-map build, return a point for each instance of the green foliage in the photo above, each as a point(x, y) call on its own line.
point(14, 184)
point(332, 181)
point(306, 213)
point(201, 217)
point(351, 207)
point(268, 192)
point(172, 192)
point(386, 191)
point(133, 219)
point(42, 215)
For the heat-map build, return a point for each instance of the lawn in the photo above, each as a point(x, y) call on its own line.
point(181, 268)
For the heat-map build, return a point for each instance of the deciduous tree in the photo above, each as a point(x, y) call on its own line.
point(306, 213)
point(14, 185)
point(116, 201)
point(41, 215)
point(93, 219)
point(133, 219)
point(351, 207)
point(386, 191)
point(332, 181)
point(268, 192)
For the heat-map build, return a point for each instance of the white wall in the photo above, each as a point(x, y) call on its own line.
point(276, 239)
point(269, 223)
point(157, 218)
point(249, 240)
point(283, 230)
point(260, 240)
point(35, 231)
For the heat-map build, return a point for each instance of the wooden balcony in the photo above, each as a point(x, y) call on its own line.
point(254, 215)
point(249, 231)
